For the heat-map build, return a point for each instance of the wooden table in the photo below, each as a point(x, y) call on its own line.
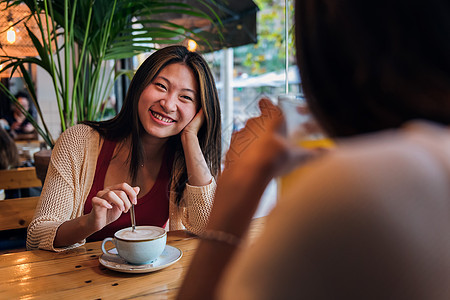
point(77, 273)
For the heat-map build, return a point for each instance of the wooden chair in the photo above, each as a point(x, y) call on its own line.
point(17, 213)
point(15, 216)
point(19, 178)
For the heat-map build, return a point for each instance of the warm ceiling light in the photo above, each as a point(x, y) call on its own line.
point(192, 45)
point(11, 35)
point(14, 38)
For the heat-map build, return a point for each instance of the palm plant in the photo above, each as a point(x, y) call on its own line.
point(76, 39)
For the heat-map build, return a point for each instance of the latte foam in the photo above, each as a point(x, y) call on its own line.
point(141, 233)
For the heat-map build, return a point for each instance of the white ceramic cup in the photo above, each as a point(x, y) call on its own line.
point(143, 246)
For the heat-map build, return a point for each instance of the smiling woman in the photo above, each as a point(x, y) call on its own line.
point(168, 138)
point(170, 102)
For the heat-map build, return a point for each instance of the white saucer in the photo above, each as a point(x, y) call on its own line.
point(114, 262)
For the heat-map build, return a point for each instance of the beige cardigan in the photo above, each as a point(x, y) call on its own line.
point(69, 179)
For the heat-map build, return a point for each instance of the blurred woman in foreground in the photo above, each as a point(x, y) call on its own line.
point(369, 220)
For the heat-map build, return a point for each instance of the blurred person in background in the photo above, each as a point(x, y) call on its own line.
point(370, 219)
point(16, 122)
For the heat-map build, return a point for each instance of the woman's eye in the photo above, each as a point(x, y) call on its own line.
point(187, 98)
point(160, 85)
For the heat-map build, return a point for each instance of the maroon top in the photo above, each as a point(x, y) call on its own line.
point(151, 209)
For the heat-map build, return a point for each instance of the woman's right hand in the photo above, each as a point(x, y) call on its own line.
point(258, 153)
point(261, 142)
point(110, 203)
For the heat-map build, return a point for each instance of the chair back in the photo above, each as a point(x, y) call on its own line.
point(17, 213)
point(19, 178)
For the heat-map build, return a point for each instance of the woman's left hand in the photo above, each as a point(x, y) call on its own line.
point(196, 123)
point(196, 166)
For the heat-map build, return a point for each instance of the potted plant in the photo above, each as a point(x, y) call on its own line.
point(75, 39)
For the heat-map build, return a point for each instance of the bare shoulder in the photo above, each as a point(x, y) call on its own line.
point(368, 219)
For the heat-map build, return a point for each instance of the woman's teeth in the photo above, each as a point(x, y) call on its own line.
point(159, 117)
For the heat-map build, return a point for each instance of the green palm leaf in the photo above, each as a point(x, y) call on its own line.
point(76, 38)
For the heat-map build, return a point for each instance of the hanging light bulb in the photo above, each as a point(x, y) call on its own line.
point(11, 35)
point(14, 38)
point(192, 45)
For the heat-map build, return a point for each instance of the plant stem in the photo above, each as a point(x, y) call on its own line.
point(53, 68)
point(80, 112)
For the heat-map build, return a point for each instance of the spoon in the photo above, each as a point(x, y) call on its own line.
point(133, 220)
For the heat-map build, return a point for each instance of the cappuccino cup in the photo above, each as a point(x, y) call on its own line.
point(142, 246)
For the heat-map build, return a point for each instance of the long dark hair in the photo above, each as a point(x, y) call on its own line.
point(9, 156)
point(127, 122)
point(371, 65)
